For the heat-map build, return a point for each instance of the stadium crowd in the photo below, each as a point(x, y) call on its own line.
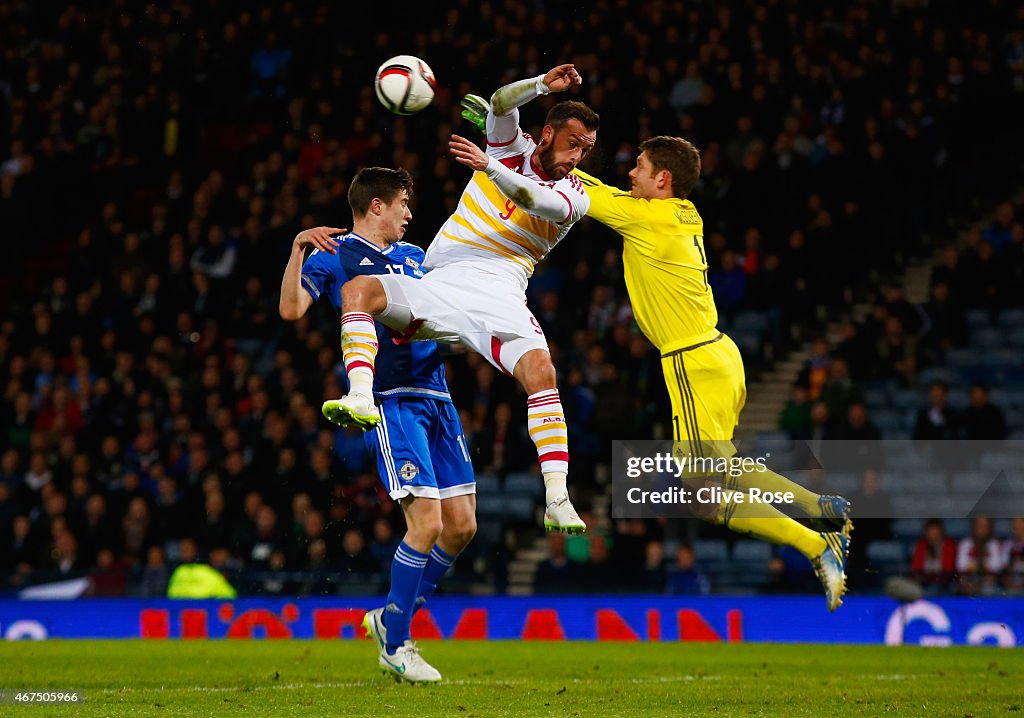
point(156, 161)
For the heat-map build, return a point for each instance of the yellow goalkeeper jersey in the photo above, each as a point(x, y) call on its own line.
point(665, 264)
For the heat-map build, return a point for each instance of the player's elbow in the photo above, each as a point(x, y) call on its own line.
point(524, 198)
point(288, 312)
point(499, 107)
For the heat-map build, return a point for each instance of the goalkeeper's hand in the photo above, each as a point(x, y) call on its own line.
point(474, 110)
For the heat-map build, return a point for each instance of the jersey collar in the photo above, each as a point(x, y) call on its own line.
point(368, 243)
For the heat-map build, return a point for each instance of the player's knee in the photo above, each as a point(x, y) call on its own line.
point(536, 372)
point(363, 294)
point(427, 530)
point(460, 531)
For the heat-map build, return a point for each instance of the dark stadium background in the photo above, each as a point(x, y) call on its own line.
point(862, 166)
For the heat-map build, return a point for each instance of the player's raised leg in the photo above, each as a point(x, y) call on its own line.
point(707, 390)
point(548, 430)
point(361, 299)
point(829, 513)
point(827, 552)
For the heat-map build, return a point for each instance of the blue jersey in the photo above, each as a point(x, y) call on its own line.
point(410, 369)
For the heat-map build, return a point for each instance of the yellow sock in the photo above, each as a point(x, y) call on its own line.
point(765, 522)
point(768, 480)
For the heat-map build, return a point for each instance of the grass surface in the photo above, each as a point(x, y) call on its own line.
point(590, 680)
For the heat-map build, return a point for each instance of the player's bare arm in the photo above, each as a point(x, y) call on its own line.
point(295, 302)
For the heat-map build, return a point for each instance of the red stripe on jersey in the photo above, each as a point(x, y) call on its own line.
point(514, 163)
point(538, 169)
point(405, 336)
point(570, 206)
point(504, 144)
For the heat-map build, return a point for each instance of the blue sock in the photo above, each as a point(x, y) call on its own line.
point(437, 565)
point(406, 572)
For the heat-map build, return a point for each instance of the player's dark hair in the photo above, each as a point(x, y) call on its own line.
point(381, 182)
point(678, 157)
point(561, 113)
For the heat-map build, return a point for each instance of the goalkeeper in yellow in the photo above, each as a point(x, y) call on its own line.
point(666, 273)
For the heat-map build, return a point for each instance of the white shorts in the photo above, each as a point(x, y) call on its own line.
point(452, 304)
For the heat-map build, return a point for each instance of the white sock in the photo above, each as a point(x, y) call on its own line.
point(554, 486)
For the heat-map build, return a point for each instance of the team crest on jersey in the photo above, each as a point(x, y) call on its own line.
point(408, 471)
point(412, 262)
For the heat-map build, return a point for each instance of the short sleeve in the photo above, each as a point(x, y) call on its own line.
point(317, 275)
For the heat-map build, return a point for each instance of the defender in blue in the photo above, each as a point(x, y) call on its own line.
point(419, 443)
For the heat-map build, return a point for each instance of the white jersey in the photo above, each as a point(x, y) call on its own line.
point(489, 232)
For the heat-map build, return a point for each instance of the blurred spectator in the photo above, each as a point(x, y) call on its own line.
point(109, 575)
point(946, 324)
point(729, 284)
point(266, 539)
point(839, 391)
point(598, 574)
point(355, 559)
point(939, 420)
point(65, 557)
point(896, 353)
point(654, 573)
point(795, 419)
point(982, 420)
point(384, 545)
point(686, 577)
point(858, 427)
point(815, 371)
point(1013, 578)
point(872, 501)
point(934, 558)
point(155, 574)
point(980, 559)
point(556, 573)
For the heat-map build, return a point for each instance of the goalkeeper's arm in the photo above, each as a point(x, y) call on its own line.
point(474, 111)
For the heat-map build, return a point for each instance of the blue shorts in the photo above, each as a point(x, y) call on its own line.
point(421, 450)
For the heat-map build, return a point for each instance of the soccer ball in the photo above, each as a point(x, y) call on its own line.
point(405, 84)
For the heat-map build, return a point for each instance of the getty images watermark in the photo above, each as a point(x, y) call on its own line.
point(687, 467)
point(884, 479)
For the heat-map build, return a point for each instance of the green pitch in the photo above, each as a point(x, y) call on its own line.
point(589, 680)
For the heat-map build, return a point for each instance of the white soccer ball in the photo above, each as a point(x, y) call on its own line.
point(405, 84)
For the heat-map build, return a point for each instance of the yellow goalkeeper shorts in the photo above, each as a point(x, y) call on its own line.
point(708, 389)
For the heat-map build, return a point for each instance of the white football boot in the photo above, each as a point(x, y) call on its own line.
point(559, 515)
point(408, 665)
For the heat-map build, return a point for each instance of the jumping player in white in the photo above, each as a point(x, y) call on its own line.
point(520, 202)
